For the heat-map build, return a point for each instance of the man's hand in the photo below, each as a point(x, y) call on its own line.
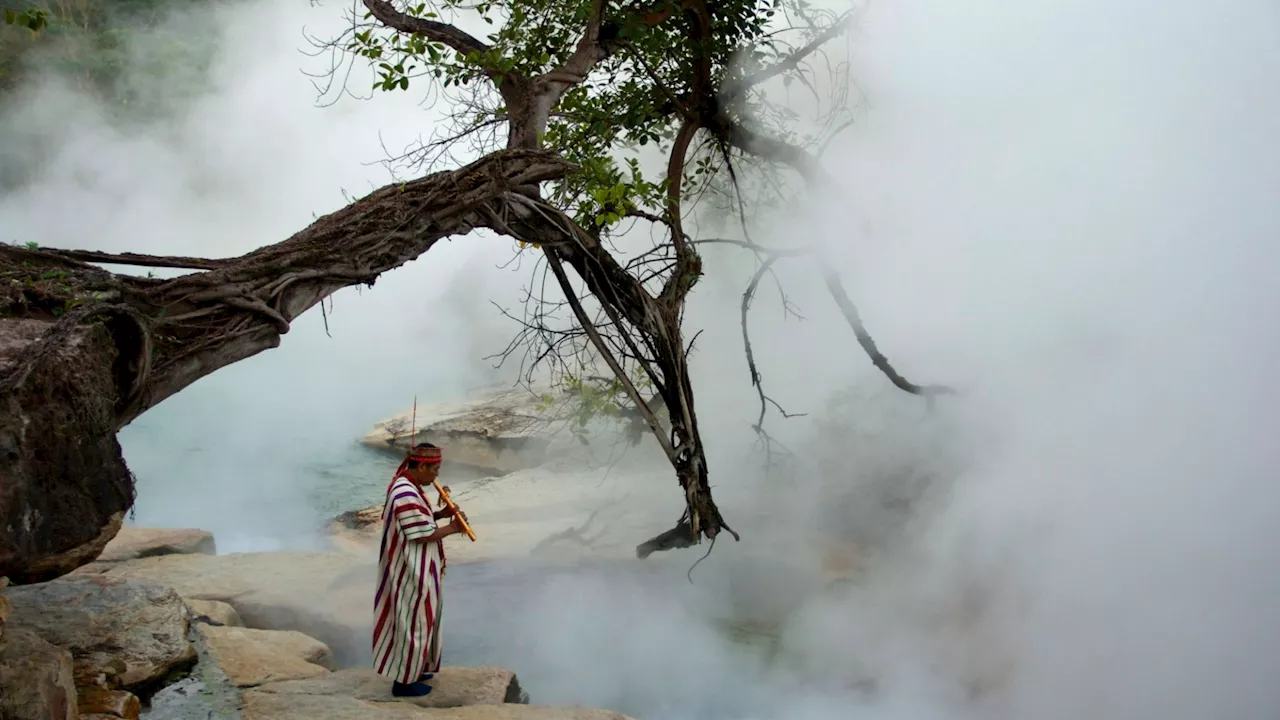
point(458, 519)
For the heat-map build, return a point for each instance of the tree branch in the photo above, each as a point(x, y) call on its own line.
point(851, 315)
point(444, 33)
point(791, 62)
point(659, 432)
point(137, 259)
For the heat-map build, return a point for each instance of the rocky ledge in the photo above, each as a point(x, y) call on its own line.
point(160, 627)
point(499, 432)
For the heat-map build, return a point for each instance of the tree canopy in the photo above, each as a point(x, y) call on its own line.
point(582, 89)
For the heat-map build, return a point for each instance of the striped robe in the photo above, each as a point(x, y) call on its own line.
point(406, 629)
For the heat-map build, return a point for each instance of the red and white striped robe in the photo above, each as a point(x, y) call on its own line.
point(406, 624)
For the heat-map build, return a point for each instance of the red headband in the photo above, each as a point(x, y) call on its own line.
point(430, 456)
point(427, 455)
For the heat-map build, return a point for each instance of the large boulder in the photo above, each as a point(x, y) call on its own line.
point(452, 687)
point(500, 431)
point(251, 657)
point(50, 565)
point(132, 632)
point(324, 595)
point(137, 542)
point(36, 679)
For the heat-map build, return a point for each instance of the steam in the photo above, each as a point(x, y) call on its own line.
point(1065, 209)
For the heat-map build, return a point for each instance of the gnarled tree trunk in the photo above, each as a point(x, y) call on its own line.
point(84, 351)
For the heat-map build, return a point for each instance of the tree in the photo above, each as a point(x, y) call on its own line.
point(575, 84)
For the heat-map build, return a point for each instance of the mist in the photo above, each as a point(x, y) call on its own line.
point(1065, 210)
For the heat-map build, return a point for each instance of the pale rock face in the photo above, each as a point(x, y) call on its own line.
point(325, 595)
point(137, 542)
point(252, 657)
point(499, 432)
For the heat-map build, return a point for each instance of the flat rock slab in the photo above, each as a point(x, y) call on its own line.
point(252, 657)
point(325, 595)
point(35, 679)
point(260, 705)
point(452, 687)
point(134, 542)
point(135, 632)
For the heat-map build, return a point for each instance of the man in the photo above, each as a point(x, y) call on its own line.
point(406, 630)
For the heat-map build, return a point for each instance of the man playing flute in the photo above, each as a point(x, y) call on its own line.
point(411, 562)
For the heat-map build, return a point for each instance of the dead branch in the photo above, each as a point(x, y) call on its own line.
point(850, 312)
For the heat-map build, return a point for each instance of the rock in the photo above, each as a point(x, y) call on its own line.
point(357, 531)
point(214, 612)
point(133, 632)
point(453, 687)
point(4, 606)
point(137, 542)
point(324, 595)
point(500, 432)
point(252, 657)
point(261, 705)
point(54, 565)
point(109, 703)
point(35, 679)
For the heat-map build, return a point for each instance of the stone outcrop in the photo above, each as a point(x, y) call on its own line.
point(129, 634)
point(499, 432)
point(452, 687)
point(134, 542)
point(252, 657)
point(36, 679)
point(161, 618)
point(324, 595)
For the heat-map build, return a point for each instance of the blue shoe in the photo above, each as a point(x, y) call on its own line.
point(418, 689)
point(426, 676)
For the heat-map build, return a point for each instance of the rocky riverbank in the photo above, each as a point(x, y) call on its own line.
point(161, 627)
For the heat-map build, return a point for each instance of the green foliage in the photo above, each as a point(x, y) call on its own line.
point(584, 399)
point(628, 108)
point(124, 52)
point(628, 101)
point(33, 19)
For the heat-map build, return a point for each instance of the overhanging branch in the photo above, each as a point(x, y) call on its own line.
point(443, 33)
